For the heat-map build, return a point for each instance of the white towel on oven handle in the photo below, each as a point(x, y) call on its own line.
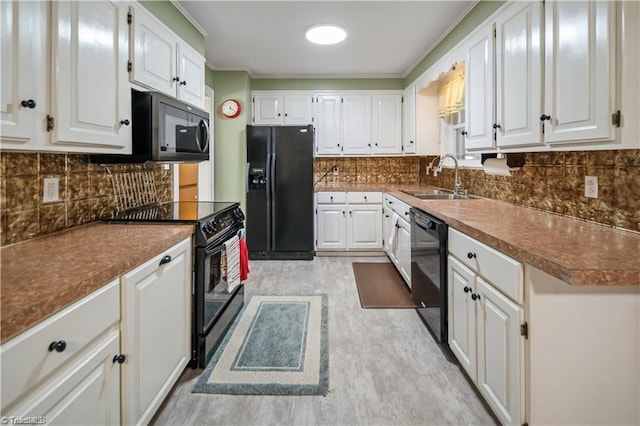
point(392, 238)
point(232, 254)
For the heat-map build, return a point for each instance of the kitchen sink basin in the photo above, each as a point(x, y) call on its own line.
point(436, 194)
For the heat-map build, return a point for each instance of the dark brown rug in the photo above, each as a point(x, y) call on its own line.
point(381, 286)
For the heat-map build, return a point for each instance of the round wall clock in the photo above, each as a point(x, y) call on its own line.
point(230, 108)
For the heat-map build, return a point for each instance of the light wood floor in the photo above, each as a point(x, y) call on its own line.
point(384, 366)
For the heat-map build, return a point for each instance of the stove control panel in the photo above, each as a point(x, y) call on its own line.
point(211, 228)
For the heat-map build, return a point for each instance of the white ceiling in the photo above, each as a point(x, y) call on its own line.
point(266, 38)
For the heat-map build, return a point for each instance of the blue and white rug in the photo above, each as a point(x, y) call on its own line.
point(277, 346)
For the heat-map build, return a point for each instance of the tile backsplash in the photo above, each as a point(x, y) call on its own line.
point(367, 169)
point(86, 192)
point(554, 182)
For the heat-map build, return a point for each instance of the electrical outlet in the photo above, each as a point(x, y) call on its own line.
point(50, 190)
point(335, 170)
point(591, 186)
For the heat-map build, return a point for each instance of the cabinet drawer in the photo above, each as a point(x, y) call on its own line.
point(499, 269)
point(364, 197)
point(26, 359)
point(332, 197)
point(399, 207)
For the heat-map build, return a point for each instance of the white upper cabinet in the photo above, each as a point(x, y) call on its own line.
point(163, 62)
point(278, 109)
point(480, 92)
point(519, 75)
point(23, 96)
point(356, 124)
point(579, 71)
point(64, 77)
point(91, 102)
point(191, 67)
point(387, 124)
point(409, 120)
point(328, 126)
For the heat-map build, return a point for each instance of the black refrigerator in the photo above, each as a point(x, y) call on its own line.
point(279, 212)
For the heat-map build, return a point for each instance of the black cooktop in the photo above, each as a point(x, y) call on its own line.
point(179, 211)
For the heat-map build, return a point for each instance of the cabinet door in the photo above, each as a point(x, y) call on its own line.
point(91, 94)
point(462, 315)
point(328, 126)
point(519, 75)
point(364, 227)
point(332, 227)
point(85, 393)
point(156, 331)
point(403, 252)
point(387, 226)
point(24, 59)
point(297, 110)
point(387, 124)
point(154, 54)
point(409, 121)
point(267, 109)
point(356, 124)
point(191, 85)
point(479, 94)
point(500, 353)
point(579, 70)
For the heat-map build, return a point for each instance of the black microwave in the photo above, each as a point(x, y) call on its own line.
point(163, 130)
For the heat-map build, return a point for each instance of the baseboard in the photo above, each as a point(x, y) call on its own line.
point(350, 253)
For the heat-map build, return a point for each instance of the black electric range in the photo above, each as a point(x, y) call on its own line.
point(211, 218)
point(216, 302)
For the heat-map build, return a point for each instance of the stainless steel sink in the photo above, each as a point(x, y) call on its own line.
point(436, 194)
point(427, 192)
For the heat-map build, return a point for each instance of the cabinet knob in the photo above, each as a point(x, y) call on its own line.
point(120, 358)
point(176, 78)
point(28, 104)
point(365, 198)
point(406, 213)
point(369, 145)
point(58, 346)
point(467, 289)
point(386, 215)
point(544, 117)
point(475, 296)
point(410, 141)
point(286, 115)
point(471, 255)
point(279, 114)
point(376, 144)
point(331, 197)
point(165, 259)
point(183, 83)
point(124, 122)
point(464, 133)
point(343, 213)
point(496, 126)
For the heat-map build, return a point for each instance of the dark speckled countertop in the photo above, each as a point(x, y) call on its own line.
point(575, 251)
point(43, 276)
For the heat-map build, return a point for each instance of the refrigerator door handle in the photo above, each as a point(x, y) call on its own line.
point(269, 209)
point(272, 191)
point(247, 178)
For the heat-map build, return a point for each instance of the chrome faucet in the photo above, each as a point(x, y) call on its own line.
point(456, 183)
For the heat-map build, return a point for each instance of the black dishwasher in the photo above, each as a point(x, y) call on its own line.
point(429, 271)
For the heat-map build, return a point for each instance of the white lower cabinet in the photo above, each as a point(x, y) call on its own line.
point(349, 221)
point(397, 235)
point(110, 358)
point(156, 330)
point(62, 369)
point(485, 326)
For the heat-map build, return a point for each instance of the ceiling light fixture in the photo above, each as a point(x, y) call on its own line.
point(326, 34)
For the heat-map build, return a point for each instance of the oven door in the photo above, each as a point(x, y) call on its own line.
point(212, 294)
point(215, 306)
